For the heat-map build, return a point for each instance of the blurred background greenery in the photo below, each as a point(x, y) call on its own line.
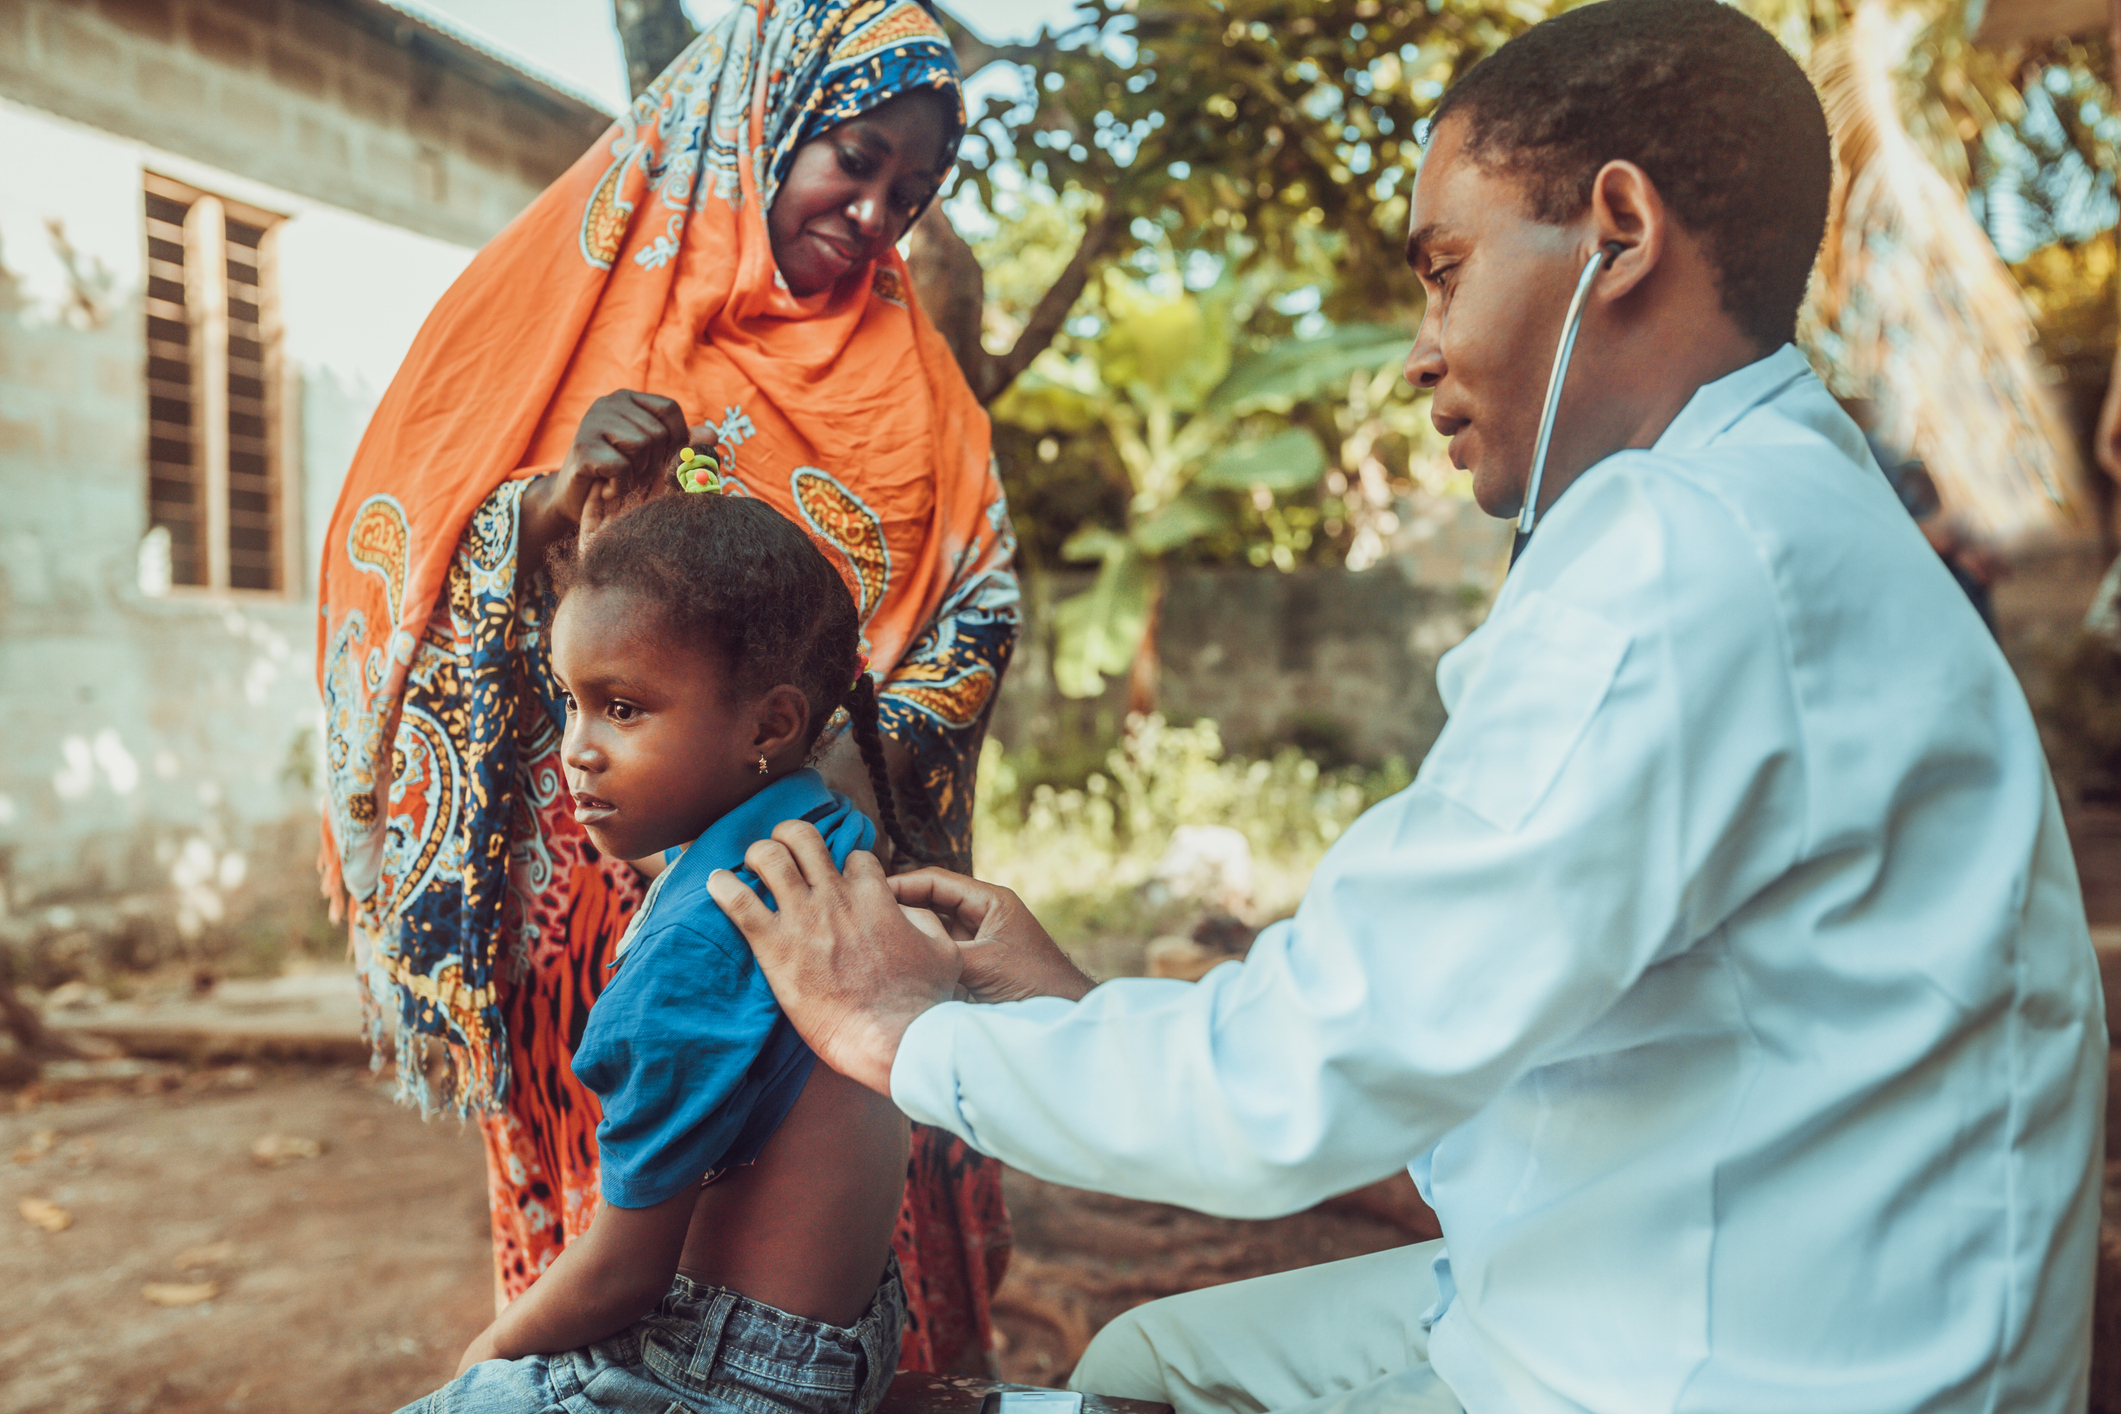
point(1086, 858)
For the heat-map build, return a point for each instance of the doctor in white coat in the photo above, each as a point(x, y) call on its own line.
point(1723, 976)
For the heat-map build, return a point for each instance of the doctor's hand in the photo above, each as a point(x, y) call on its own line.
point(844, 961)
point(1008, 955)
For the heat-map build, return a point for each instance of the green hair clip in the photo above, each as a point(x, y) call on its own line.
point(703, 471)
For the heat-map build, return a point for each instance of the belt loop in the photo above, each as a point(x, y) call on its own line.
point(707, 1338)
point(883, 1327)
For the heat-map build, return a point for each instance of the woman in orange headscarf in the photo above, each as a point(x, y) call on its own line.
point(725, 255)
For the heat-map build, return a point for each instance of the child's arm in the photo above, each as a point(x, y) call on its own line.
point(605, 1280)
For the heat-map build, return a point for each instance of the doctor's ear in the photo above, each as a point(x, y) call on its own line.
point(1632, 224)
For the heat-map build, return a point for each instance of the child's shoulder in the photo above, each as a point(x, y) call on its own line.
point(678, 906)
point(799, 795)
point(679, 916)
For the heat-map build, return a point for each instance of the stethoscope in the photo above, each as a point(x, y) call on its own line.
point(1600, 260)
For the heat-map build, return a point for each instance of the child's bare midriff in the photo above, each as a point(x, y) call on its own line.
point(807, 1228)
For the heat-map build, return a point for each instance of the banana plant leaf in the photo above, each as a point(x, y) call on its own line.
point(1039, 404)
point(1096, 632)
point(1174, 349)
point(1291, 370)
point(1290, 460)
point(1170, 526)
point(1093, 542)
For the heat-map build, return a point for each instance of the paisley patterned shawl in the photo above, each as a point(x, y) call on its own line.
point(648, 266)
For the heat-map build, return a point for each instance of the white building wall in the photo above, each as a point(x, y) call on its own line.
point(158, 768)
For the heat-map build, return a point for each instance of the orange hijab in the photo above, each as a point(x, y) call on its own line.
point(648, 266)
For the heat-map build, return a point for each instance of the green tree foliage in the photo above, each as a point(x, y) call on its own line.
point(1176, 176)
point(1206, 424)
point(2044, 171)
point(1230, 387)
point(1243, 127)
point(2045, 190)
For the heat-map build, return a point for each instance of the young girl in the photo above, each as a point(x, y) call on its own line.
point(741, 1258)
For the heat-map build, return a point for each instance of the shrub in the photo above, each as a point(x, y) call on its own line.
point(1080, 855)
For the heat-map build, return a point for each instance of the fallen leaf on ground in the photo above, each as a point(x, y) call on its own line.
point(211, 1254)
point(180, 1293)
point(47, 1214)
point(39, 1145)
point(273, 1150)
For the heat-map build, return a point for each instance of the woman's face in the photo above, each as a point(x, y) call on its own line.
point(852, 190)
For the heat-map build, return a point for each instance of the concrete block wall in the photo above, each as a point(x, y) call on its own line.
point(158, 786)
point(1339, 663)
point(157, 795)
point(147, 784)
point(339, 101)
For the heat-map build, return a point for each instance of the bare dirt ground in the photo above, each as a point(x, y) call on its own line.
point(346, 1281)
point(350, 1280)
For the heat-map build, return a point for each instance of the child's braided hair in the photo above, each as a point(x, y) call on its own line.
point(735, 576)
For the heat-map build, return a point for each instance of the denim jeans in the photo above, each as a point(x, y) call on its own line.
point(703, 1348)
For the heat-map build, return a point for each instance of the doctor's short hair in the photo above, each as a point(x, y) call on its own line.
point(1696, 94)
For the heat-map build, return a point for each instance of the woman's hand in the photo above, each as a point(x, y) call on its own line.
point(623, 449)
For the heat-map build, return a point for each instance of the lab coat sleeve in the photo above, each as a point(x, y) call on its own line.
point(1621, 770)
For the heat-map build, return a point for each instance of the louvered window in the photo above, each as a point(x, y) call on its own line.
point(214, 474)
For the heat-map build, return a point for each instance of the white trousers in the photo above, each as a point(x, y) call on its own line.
point(1342, 1338)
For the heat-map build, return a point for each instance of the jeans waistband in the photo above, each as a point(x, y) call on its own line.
point(712, 1341)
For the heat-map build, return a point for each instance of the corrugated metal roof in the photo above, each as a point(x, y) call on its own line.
point(481, 42)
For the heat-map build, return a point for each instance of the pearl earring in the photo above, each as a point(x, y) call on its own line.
point(762, 763)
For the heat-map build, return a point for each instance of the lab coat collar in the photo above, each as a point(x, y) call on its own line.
point(1716, 406)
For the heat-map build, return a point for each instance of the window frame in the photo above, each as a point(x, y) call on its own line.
point(207, 318)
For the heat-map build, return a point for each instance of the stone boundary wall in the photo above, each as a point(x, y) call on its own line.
point(1340, 663)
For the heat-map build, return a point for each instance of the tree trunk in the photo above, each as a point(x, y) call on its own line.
point(1145, 673)
point(950, 286)
point(33, 1040)
point(952, 289)
point(653, 32)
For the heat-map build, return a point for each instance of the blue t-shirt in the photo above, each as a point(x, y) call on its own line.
point(692, 1058)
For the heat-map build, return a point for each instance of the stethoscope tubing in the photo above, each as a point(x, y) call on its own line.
point(1526, 517)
